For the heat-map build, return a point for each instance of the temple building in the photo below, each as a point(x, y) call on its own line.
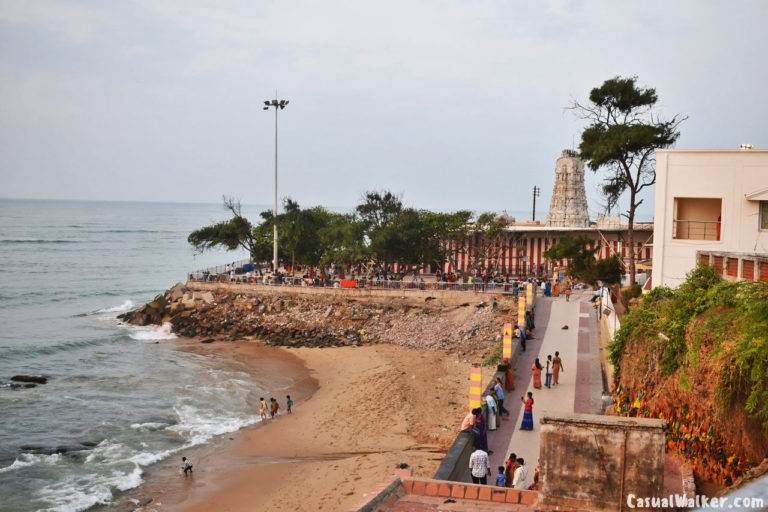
point(519, 250)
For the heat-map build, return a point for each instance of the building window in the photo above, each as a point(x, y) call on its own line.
point(764, 215)
point(697, 218)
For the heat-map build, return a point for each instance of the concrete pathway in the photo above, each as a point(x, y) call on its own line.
point(580, 384)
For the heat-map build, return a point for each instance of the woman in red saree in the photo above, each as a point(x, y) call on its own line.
point(527, 423)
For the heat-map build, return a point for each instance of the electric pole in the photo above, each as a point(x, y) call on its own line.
point(536, 193)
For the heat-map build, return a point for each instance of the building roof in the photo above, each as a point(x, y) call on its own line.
point(529, 228)
point(758, 195)
point(713, 150)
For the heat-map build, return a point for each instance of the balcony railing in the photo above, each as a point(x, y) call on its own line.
point(696, 230)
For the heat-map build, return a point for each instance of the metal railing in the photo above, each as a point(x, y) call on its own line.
point(696, 230)
point(404, 285)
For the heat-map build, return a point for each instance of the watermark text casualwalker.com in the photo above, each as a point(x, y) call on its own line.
point(698, 501)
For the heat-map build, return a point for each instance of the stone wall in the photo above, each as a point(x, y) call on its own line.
point(591, 462)
point(446, 297)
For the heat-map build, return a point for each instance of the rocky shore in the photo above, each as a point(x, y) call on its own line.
point(296, 319)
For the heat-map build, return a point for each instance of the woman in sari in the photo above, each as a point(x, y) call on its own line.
point(480, 431)
point(536, 370)
point(527, 412)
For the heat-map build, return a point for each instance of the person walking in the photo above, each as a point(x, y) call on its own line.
point(568, 294)
point(527, 423)
point(263, 409)
point(479, 430)
point(479, 466)
point(289, 404)
point(557, 367)
point(274, 408)
point(536, 371)
point(499, 390)
point(548, 372)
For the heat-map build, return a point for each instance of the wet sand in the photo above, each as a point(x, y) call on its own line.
point(360, 411)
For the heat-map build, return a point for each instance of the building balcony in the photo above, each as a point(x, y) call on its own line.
point(696, 230)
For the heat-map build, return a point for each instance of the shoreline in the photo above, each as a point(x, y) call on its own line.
point(358, 413)
point(250, 356)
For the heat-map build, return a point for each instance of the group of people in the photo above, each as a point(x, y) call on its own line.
point(514, 472)
point(273, 408)
point(554, 365)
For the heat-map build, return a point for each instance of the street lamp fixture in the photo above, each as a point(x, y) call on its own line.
point(277, 105)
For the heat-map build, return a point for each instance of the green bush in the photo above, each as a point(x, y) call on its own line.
point(630, 292)
point(735, 322)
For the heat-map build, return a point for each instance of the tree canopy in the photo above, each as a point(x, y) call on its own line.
point(580, 254)
point(379, 232)
point(621, 138)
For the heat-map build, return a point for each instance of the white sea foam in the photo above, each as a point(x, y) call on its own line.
point(108, 452)
point(149, 426)
point(199, 426)
point(122, 308)
point(75, 494)
point(29, 459)
point(152, 333)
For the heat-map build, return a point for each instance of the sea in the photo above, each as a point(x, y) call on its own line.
point(119, 398)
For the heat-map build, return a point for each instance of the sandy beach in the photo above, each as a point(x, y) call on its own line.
point(360, 412)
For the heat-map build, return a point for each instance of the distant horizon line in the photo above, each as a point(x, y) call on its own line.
point(206, 203)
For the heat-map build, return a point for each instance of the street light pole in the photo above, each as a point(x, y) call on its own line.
point(278, 105)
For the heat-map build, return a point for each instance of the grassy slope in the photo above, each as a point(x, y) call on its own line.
point(698, 357)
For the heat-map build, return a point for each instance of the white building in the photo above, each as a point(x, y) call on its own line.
point(711, 207)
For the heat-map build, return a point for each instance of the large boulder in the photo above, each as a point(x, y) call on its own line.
point(176, 292)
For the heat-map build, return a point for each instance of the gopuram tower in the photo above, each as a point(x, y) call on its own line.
point(569, 198)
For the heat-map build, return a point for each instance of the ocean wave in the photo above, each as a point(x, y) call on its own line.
point(122, 308)
point(150, 425)
point(199, 426)
point(45, 350)
point(152, 333)
point(10, 241)
point(30, 459)
point(77, 493)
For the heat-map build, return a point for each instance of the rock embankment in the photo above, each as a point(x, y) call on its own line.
point(312, 320)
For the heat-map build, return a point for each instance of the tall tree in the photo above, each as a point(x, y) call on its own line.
point(235, 233)
point(488, 230)
point(378, 213)
point(623, 133)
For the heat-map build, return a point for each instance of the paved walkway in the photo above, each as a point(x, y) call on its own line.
point(580, 386)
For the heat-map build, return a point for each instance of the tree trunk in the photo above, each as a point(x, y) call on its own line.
point(631, 236)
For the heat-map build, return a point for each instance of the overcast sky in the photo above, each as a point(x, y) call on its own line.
point(453, 104)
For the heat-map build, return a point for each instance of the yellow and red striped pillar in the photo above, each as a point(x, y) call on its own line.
point(529, 293)
point(475, 386)
point(521, 311)
point(506, 347)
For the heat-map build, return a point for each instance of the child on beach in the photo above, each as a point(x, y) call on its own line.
point(263, 408)
point(501, 478)
point(186, 466)
point(275, 407)
point(289, 403)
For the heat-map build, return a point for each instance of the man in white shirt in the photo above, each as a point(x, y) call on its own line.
point(520, 476)
point(492, 411)
point(480, 467)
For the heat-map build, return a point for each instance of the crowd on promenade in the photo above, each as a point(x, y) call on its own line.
point(493, 410)
point(361, 277)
